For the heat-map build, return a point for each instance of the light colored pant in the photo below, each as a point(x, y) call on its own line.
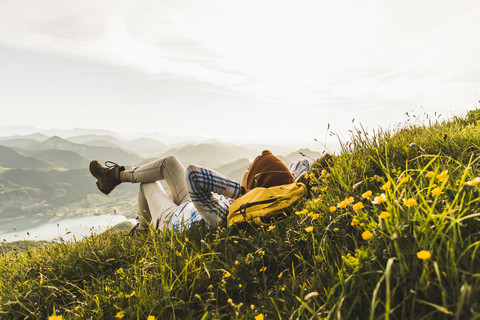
point(155, 207)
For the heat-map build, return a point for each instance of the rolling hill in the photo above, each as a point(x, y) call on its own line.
point(144, 147)
point(11, 158)
point(90, 152)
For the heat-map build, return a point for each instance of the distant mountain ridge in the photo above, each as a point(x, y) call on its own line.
point(42, 174)
point(11, 158)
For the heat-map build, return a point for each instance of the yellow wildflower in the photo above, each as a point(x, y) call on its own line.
point(424, 255)
point(429, 174)
point(307, 176)
point(259, 317)
point(357, 206)
point(261, 252)
point(249, 256)
point(54, 238)
point(474, 182)
point(235, 241)
point(309, 229)
point(437, 191)
point(252, 306)
point(386, 186)
point(270, 228)
point(263, 269)
point(367, 194)
point(151, 318)
point(315, 216)
point(227, 275)
point(345, 202)
point(237, 263)
point(280, 275)
point(120, 314)
point(332, 208)
point(366, 235)
point(444, 136)
point(354, 222)
point(324, 172)
point(442, 176)
point(141, 260)
point(240, 285)
point(404, 179)
point(335, 229)
point(381, 198)
point(384, 215)
point(186, 239)
point(410, 202)
point(55, 317)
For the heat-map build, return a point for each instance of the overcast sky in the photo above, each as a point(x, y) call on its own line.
point(267, 70)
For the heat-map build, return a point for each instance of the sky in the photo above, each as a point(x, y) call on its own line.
point(270, 70)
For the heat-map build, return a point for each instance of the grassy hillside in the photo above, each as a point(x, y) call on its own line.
point(390, 231)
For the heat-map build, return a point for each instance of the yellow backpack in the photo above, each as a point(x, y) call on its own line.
point(264, 202)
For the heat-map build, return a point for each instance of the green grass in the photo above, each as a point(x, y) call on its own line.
point(352, 263)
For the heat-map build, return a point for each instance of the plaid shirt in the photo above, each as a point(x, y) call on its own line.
point(212, 194)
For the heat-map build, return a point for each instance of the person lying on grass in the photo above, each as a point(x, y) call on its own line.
point(197, 193)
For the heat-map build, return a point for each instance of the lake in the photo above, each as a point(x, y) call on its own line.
point(67, 228)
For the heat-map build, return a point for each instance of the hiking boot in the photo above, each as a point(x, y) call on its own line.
point(107, 177)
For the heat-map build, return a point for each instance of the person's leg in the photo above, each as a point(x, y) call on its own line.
point(202, 183)
point(169, 169)
point(154, 206)
point(144, 216)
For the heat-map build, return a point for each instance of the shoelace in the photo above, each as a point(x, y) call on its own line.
point(110, 164)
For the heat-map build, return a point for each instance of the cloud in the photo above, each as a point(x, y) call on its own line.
point(307, 52)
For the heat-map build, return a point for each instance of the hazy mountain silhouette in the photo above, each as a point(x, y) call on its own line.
point(11, 158)
point(23, 143)
point(90, 152)
point(211, 155)
point(62, 158)
point(309, 155)
point(234, 170)
point(144, 147)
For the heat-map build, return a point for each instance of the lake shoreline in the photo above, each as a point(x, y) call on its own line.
point(47, 228)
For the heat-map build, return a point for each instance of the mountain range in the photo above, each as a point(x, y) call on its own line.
point(48, 175)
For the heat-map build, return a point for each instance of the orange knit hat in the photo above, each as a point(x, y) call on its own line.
point(266, 171)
